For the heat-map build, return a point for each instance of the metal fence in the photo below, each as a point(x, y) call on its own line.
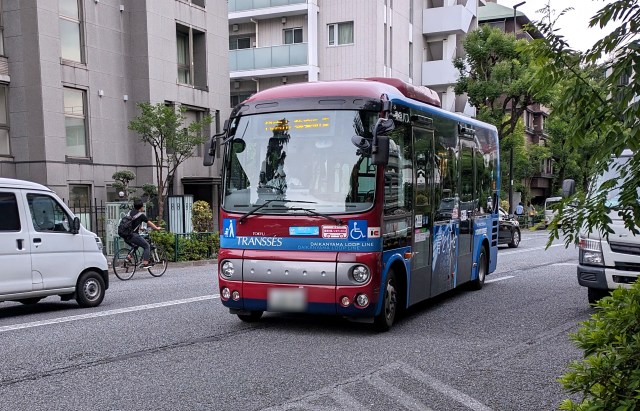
point(92, 216)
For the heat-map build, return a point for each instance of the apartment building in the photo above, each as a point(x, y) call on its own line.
point(274, 42)
point(72, 72)
point(514, 21)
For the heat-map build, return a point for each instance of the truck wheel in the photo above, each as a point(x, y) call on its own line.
point(384, 320)
point(90, 289)
point(596, 294)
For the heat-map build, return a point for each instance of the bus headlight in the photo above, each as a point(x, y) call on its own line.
point(591, 251)
point(227, 269)
point(360, 274)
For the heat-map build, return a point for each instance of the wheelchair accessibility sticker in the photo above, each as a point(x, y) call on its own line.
point(229, 228)
point(358, 230)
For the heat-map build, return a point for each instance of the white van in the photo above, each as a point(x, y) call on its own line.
point(549, 212)
point(605, 264)
point(44, 250)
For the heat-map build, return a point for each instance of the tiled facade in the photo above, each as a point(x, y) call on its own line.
point(273, 42)
point(72, 72)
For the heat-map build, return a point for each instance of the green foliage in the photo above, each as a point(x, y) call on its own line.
point(172, 140)
point(191, 247)
point(202, 217)
point(608, 378)
point(505, 205)
point(497, 76)
point(606, 109)
point(121, 180)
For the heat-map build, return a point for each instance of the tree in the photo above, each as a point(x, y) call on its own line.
point(121, 180)
point(496, 75)
point(163, 128)
point(610, 111)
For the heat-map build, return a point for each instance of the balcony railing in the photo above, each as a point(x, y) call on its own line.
point(242, 5)
point(268, 57)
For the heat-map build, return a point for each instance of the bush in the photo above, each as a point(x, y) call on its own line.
point(192, 247)
point(608, 378)
point(202, 217)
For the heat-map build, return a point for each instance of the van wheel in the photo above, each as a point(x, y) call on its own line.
point(596, 294)
point(384, 320)
point(483, 268)
point(30, 301)
point(90, 289)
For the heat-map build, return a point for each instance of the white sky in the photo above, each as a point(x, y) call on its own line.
point(574, 25)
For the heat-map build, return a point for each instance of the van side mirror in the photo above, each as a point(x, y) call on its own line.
point(568, 187)
point(75, 225)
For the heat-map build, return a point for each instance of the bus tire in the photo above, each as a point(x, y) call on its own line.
point(384, 320)
point(483, 267)
point(252, 317)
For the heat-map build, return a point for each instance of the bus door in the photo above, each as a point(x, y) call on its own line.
point(423, 215)
point(467, 207)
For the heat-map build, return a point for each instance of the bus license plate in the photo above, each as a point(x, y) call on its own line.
point(287, 299)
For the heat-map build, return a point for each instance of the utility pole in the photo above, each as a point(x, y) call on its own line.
point(515, 6)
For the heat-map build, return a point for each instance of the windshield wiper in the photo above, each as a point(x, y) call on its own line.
point(313, 212)
point(267, 202)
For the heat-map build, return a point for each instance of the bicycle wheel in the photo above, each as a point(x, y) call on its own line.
point(159, 258)
point(124, 267)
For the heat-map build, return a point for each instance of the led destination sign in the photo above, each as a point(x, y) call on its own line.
point(306, 123)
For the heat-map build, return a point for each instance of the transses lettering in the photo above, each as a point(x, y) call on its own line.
point(260, 241)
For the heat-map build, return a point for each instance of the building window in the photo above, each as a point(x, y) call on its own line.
point(75, 122)
point(236, 43)
point(340, 33)
point(391, 46)
point(528, 120)
point(79, 196)
point(200, 3)
point(410, 11)
point(4, 121)
point(292, 36)
point(237, 98)
point(1, 31)
point(192, 56)
point(194, 115)
point(70, 30)
point(410, 60)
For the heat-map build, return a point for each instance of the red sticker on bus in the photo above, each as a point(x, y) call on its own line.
point(335, 231)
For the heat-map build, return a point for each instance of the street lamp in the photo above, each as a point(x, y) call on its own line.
point(515, 6)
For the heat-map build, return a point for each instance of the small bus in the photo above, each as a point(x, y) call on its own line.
point(356, 198)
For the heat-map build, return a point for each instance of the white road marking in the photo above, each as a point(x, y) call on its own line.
point(106, 313)
point(569, 264)
point(498, 279)
point(526, 250)
point(385, 386)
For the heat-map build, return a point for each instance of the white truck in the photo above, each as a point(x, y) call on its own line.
point(608, 263)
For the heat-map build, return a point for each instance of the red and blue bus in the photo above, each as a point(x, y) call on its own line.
point(355, 198)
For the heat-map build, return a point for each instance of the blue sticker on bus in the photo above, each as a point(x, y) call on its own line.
point(229, 228)
point(304, 230)
point(358, 230)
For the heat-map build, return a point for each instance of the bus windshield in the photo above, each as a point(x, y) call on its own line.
point(299, 161)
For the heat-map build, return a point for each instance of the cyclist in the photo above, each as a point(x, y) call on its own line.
point(135, 238)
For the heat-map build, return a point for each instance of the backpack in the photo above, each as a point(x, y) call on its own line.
point(125, 227)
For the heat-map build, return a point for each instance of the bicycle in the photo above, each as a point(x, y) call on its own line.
point(126, 261)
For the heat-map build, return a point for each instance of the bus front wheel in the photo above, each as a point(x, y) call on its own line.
point(251, 317)
point(387, 316)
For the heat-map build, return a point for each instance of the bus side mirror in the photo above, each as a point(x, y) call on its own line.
point(568, 187)
point(380, 157)
point(209, 152)
point(380, 149)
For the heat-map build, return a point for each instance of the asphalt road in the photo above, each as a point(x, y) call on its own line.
point(168, 344)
